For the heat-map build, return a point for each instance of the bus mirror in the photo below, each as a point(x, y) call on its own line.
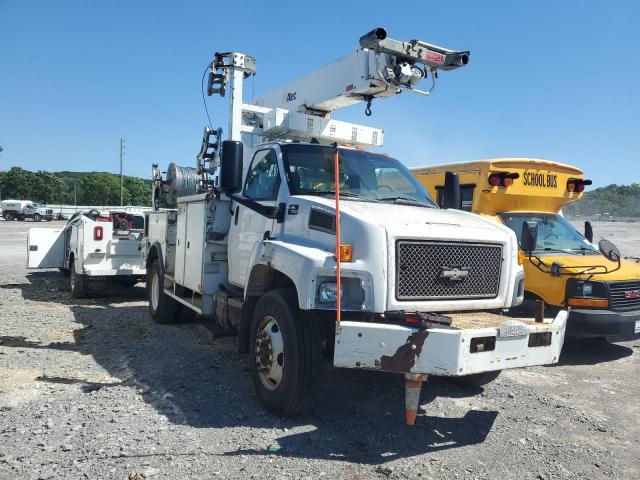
point(451, 195)
point(609, 250)
point(529, 236)
point(231, 167)
point(588, 231)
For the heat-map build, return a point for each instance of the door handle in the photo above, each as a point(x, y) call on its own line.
point(235, 218)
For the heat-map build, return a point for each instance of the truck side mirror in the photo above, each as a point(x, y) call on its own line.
point(529, 236)
point(231, 167)
point(588, 231)
point(451, 194)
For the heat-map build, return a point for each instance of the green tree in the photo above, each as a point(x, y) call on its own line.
point(99, 189)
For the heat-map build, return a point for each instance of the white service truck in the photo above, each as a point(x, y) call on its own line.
point(95, 247)
point(356, 265)
point(23, 209)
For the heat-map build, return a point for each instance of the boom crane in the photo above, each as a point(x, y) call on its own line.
point(301, 110)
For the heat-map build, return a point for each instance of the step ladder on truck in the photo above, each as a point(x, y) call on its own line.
point(291, 234)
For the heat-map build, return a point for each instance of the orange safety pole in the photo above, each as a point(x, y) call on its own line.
point(337, 189)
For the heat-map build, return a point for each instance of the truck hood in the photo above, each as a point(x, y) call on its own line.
point(401, 220)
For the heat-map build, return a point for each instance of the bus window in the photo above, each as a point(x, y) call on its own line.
point(466, 195)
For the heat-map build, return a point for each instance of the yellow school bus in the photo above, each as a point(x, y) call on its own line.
point(565, 269)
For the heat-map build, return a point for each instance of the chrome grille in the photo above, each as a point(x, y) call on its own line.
point(445, 270)
point(619, 292)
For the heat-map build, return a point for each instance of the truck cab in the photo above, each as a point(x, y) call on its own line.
point(565, 270)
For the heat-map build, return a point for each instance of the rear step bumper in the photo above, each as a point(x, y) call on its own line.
point(449, 352)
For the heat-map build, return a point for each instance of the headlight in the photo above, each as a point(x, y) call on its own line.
point(587, 289)
point(584, 288)
point(327, 293)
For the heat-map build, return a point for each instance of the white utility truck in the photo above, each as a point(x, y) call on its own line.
point(23, 209)
point(417, 290)
point(94, 247)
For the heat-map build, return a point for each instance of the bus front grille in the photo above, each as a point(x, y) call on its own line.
point(624, 296)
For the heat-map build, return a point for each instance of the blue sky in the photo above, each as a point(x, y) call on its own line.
point(549, 79)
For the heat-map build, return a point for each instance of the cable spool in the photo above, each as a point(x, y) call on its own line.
point(180, 182)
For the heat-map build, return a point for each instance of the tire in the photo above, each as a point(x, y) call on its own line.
point(162, 307)
point(77, 284)
point(9, 217)
point(476, 379)
point(37, 217)
point(278, 333)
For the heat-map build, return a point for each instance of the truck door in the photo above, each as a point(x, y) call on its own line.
point(45, 248)
point(247, 226)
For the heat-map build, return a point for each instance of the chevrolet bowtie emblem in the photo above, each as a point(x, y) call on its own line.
point(455, 274)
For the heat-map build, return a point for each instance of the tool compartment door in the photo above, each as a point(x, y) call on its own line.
point(45, 248)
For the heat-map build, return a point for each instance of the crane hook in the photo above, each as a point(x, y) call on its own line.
point(367, 110)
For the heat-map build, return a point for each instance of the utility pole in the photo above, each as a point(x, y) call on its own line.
point(75, 193)
point(121, 175)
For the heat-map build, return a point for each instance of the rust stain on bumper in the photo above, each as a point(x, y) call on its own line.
point(405, 357)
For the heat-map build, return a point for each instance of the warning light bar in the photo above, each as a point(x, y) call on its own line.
point(502, 179)
point(577, 185)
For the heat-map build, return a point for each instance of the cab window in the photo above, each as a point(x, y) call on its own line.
point(263, 179)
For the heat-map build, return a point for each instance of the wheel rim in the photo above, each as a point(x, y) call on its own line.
point(269, 353)
point(155, 292)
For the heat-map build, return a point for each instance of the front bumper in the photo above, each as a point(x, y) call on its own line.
point(592, 323)
point(448, 352)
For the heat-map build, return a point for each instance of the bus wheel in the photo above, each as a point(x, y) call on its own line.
point(286, 355)
point(162, 307)
point(476, 379)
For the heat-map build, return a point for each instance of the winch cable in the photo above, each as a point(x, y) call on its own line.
point(337, 190)
point(204, 100)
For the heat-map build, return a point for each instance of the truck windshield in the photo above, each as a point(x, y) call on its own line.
point(555, 234)
point(363, 175)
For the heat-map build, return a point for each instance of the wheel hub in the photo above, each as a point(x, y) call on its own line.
point(269, 353)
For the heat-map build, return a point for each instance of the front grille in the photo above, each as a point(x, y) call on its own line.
point(618, 292)
point(446, 270)
point(49, 212)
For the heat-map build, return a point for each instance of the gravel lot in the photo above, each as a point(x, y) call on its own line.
point(94, 389)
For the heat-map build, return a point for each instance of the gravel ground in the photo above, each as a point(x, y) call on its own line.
point(93, 389)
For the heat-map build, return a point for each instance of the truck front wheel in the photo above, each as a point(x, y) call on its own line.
point(286, 353)
point(162, 307)
point(37, 217)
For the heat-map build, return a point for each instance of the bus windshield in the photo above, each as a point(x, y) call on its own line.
point(363, 175)
point(555, 234)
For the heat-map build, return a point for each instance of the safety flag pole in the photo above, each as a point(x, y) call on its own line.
point(337, 189)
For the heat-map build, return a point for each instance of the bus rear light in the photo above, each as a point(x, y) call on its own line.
point(98, 233)
point(577, 185)
point(502, 179)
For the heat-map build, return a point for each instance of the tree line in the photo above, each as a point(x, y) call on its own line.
point(92, 188)
point(617, 200)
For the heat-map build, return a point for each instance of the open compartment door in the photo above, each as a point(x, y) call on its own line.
point(45, 248)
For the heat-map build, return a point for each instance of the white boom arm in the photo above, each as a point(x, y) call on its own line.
point(380, 68)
